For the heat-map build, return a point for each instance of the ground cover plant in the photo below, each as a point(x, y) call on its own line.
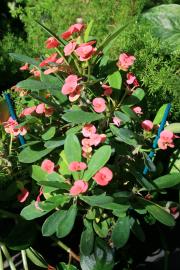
point(75, 163)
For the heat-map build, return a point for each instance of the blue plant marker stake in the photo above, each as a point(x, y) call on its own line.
point(155, 142)
point(13, 115)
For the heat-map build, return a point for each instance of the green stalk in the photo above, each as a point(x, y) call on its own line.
point(10, 144)
point(89, 71)
point(1, 261)
point(24, 259)
point(62, 56)
point(8, 257)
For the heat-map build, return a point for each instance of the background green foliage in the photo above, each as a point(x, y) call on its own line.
point(156, 71)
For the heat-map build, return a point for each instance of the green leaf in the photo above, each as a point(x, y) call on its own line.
point(88, 30)
point(63, 266)
point(121, 231)
point(36, 258)
point(66, 221)
point(97, 200)
point(87, 239)
point(122, 116)
point(101, 228)
point(53, 202)
point(100, 259)
point(128, 111)
point(38, 174)
point(35, 85)
point(163, 21)
point(135, 97)
point(137, 229)
point(80, 117)
point(72, 148)
point(125, 135)
point(55, 184)
point(115, 80)
point(143, 181)
point(49, 134)
point(27, 155)
point(158, 212)
point(168, 181)
point(30, 212)
point(51, 223)
point(175, 127)
point(25, 59)
point(159, 115)
point(97, 161)
point(149, 163)
point(57, 142)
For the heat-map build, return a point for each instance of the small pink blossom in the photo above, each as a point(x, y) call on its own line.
point(69, 48)
point(131, 79)
point(137, 110)
point(25, 67)
point(79, 186)
point(10, 127)
point(75, 28)
point(76, 94)
point(51, 70)
point(51, 59)
point(51, 42)
point(95, 139)
point(103, 176)
point(103, 137)
point(70, 85)
point(99, 105)
point(107, 90)
point(147, 125)
point(48, 166)
point(88, 130)
point(77, 166)
point(125, 61)
point(85, 51)
point(27, 111)
point(22, 197)
point(60, 60)
point(166, 139)
point(40, 109)
point(48, 111)
point(116, 121)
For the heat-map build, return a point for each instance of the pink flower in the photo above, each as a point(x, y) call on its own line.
point(51, 59)
point(11, 127)
point(60, 60)
point(166, 139)
point(48, 111)
point(48, 166)
point(25, 67)
point(70, 85)
point(137, 110)
point(116, 121)
point(37, 73)
point(79, 186)
point(107, 90)
point(88, 130)
point(125, 61)
point(76, 94)
point(95, 139)
point(40, 109)
point(103, 137)
point(72, 29)
point(131, 79)
point(38, 199)
point(51, 42)
point(99, 105)
point(69, 48)
point(147, 125)
point(85, 51)
point(77, 166)
point(27, 111)
point(22, 197)
point(51, 70)
point(103, 176)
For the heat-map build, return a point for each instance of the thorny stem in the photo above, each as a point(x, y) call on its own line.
point(62, 56)
point(8, 257)
point(24, 259)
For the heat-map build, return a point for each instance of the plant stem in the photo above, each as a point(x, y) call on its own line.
point(62, 56)
point(10, 144)
point(1, 261)
point(67, 249)
point(89, 71)
point(8, 257)
point(24, 259)
point(122, 99)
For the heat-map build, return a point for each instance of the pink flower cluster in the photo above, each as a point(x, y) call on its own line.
point(91, 139)
point(39, 109)
point(72, 88)
point(137, 110)
point(147, 125)
point(11, 127)
point(125, 61)
point(48, 166)
point(131, 79)
point(77, 166)
point(78, 187)
point(166, 139)
point(75, 28)
point(51, 42)
point(99, 104)
point(103, 176)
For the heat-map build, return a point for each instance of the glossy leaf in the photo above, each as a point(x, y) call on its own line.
point(87, 239)
point(28, 155)
point(175, 127)
point(122, 116)
point(63, 266)
point(125, 135)
point(168, 181)
point(80, 117)
point(66, 221)
point(38, 174)
point(49, 134)
point(97, 200)
point(97, 161)
point(57, 142)
point(72, 148)
point(25, 59)
point(36, 258)
point(159, 115)
point(88, 30)
point(136, 97)
point(30, 212)
point(115, 80)
point(51, 223)
point(137, 229)
point(129, 112)
point(121, 231)
point(101, 228)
